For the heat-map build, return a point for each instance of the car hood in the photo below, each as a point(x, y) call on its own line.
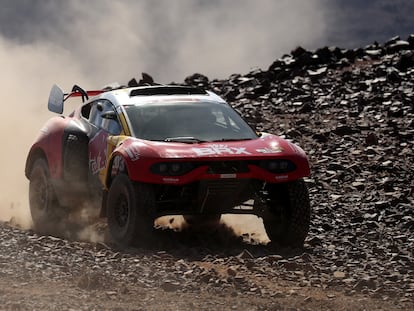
point(265, 146)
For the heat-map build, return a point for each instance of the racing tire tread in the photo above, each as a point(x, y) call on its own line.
point(139, 227)
point(44, 206)
point(295, 226)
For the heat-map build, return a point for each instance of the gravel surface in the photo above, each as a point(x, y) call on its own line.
point(352, 112)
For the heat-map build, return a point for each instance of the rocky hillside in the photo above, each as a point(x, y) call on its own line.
point(352, 111)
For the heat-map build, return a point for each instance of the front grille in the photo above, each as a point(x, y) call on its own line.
point(223, 186)
point(222, 194)
point(227, 167)
point(214, 196)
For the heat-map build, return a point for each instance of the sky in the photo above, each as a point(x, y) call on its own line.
point(97, 42)
point(106, 41)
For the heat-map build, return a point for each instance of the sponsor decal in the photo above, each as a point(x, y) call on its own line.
point(98, 152)
point(118, 165)
point(133, 152)
point(296, 148)
point(220, 149)
point(270, 150)
point(282, 177)
point(170, 179)
point(273, 148)
point(228, 175)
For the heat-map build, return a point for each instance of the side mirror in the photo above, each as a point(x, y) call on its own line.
point(99, 106)
point(110, 122)
point(109, 115)
point(55, 102)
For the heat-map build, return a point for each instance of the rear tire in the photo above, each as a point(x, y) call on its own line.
point(287, 215)
point(44, 206)
point(130, 212)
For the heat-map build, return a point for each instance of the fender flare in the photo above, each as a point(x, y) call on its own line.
point(117, 164)
point(75, 162)
point(34, 154)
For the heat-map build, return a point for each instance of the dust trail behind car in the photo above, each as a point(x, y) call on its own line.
point(25, 81)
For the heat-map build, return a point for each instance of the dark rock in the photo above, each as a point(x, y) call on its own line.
point(170, 286)
point(324, 55)
point(371, 139)
point(344, 130)
point(374, 54)
point(318, 72)
point(392, 40)
point(399, 45)
point(406, 61)
point(366, 282)
point(298, 52)
point(197, 79)
point(410, 40)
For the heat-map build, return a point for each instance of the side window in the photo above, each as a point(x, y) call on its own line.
point(94, 115)
point(86, 110)
point(112, 125)
point(104, 116)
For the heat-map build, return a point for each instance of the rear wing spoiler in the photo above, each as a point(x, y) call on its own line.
point(57, 97)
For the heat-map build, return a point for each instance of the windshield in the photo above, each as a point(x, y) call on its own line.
point(187, 122)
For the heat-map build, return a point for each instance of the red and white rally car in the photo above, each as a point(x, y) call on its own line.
point(137, 153)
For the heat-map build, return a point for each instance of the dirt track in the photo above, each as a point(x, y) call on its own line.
point(49, 273)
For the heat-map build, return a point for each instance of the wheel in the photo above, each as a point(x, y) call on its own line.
point(202, 220)
point(287, 215)
point(130, 212)
point(44, 206)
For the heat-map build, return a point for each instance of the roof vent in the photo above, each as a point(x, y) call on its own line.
point(167, 90)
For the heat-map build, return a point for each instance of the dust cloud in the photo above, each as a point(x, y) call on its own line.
point(26, 78)
point(95, 43)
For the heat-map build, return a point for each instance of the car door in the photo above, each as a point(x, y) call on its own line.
point(104, 122)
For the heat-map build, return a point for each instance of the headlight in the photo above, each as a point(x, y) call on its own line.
point(279, 166)
point(175, 167)
point(163, 168)
point(172, 169)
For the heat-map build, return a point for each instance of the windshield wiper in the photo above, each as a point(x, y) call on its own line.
point(230, 139)
point(187, 140)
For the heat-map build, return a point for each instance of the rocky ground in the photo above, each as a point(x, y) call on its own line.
point(352, 112)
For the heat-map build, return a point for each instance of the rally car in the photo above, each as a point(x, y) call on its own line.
point(138, 153)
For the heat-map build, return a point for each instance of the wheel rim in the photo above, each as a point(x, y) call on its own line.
point(121, 211)
point(39, 193)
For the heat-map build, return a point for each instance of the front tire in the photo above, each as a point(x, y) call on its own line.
point(44, 206)
point(287, 214)
point(130, 212)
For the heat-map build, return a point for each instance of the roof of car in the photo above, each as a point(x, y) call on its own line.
point(158, 93)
